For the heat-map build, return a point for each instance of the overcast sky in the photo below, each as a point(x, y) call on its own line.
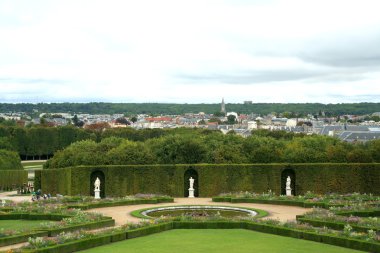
point(191, 51)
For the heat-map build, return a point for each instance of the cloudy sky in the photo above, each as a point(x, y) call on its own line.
point(195, 51)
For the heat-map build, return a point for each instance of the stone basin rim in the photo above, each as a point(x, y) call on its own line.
point(199, 207)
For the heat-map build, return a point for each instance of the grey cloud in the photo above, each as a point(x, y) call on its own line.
point(252, 76)
point(341, 59)
point(342, 50)
point(248, 77)
point(31, 80)
point(355, 98)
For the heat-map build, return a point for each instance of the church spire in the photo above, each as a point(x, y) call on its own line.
point(223, 106)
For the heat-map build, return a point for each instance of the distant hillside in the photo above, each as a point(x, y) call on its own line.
point(158, 108)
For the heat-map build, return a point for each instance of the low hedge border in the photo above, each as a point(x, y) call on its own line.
point(32, 216)
point(275, 202)
point(372, 213)
point(14, 239)
point(137, 213)
point(108, 222)
point(38, 232)
point(121, 203)
point(103, 239)
point(332, 225)
point(311, 236)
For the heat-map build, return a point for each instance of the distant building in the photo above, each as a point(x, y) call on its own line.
point(249, 102)
point(252, 125)
point(223, 106)
point(291, 122)
point(233, 114)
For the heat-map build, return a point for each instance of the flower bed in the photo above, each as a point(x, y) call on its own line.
point(141, 213)
point(71, 221)
point(308, 200)
point(322, 217)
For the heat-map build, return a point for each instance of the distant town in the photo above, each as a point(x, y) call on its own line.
point(347, 127)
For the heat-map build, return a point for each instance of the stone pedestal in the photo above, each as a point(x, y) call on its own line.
point(97, 194)
point(191, 193)
point(288, 192)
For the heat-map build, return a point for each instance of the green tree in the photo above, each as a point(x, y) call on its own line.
point(374, 149)
point(79, 153)
point(359, 155)
point(133, 119)
point(178, 149)
point(129, 152)
point(263, 149)
point(231, 119)
point(217, 120)
point(9, 160)
point(219, 114)
point(308, 150)
point(5, 122)
point(6, 144)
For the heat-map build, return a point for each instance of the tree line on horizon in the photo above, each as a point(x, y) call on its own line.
point(300, 109)
point(213, 147)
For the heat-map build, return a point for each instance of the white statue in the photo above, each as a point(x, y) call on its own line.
point(97, 188)
point(97, 184)
point(191, 189)
point(288, 189)
point(191, 183)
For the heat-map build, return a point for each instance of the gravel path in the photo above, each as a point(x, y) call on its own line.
point(8, 196)
point(13, 246)
point(121, 214)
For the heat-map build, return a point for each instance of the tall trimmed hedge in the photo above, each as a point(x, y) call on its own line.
point(121, 180)
point(9, 179)
point(54, 181)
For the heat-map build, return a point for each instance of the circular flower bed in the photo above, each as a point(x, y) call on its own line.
point(198, 211)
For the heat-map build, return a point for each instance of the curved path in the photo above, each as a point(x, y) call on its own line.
point(121, 214)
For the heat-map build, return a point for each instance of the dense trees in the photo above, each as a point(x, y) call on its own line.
point(183, 146)
point(290, 110)
point(9, 160)
point(38, 142)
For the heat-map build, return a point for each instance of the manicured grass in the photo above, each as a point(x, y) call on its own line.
point(33, 165)
point(20, 224)
point(218, 241)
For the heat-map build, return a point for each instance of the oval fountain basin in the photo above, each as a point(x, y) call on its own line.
point(199, 211)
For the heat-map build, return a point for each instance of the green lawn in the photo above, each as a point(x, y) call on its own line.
point(20, 224)
point(33, 165)
point(218, 241)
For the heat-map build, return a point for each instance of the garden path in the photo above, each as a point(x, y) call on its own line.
point(10, 196)
point(13, 247)
point(121, 214)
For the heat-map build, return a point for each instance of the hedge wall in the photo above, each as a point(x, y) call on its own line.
point(9, 179)
point(54, 181)
point(121, 180)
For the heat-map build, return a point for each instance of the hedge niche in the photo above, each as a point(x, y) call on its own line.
point(213, 179)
